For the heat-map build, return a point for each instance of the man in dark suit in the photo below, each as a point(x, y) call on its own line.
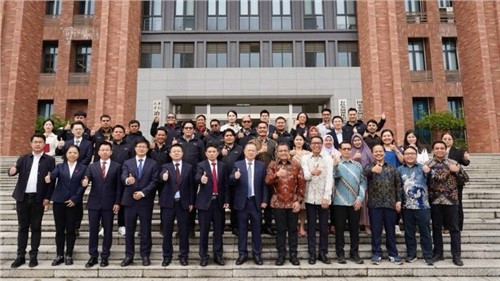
point(31, 195)
point(103, 201)
point(212, 199)
point(177, 195)
point(139, 175)
point(250, 196)
point(86, 151)
point(338, 133)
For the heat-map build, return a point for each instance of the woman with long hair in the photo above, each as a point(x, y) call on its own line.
point(297, 152)
point(362, 153)
point(411, 139)
point(50, 137)
point(393, 155)
point(232, 116)
point(301, 125)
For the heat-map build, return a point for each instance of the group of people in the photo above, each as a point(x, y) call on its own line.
point(331, 177)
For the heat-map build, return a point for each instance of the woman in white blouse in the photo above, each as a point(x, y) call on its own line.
point(50, 137)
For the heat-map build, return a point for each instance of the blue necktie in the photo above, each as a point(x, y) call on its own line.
point(139, 169)
point(250, 180)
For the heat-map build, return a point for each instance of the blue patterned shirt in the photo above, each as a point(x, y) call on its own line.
point(350, 184)
point(414, 185)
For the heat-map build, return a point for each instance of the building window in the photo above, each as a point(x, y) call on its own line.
point(49, 59)
point(183, 55)
point(347, 54)
point(217, 15)
point(450, 54)
point(282, 18)
point(53, 7)
point(313, 14)
point(83, 56)
point(445, 3)
point(151, 55)
point(216, 54)
point(151, 17)
point(422, 108)
point(184, 14)
point(249, 15)
point(315, 54)
point(282, 54)
point(249, 54)
point(415, 11)
point(45, 108)
point(416, 54)
point(346, 14)
point(456, 106)
point(84, 7)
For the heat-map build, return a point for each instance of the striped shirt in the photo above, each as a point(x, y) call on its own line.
point(350, 184)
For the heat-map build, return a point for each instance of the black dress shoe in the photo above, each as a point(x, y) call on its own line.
point(104, 262)
point(258, 260)
point(269, 230)
point(146, 261)
point(294, 260)
point(280, 261)
point(77, 232)
point(92, 261)
point(204, 262)
point(458, 262)
point(235, 232)
point(341, 260)
point(68, 260)
point(184, 261)
point(58, 260)
point(438, 257)
point(166, 261)
point(312, 259)
point(322, 257)
point(356, 259)
point(219, 261)
point(18, 262)
point(241, 260)
point(33, 262)
point(127, 261)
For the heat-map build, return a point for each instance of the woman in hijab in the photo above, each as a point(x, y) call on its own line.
point(362, 153)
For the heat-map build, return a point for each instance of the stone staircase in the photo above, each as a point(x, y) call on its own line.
point(480, 246)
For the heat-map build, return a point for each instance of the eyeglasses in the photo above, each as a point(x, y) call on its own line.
point(409, 153)
point(346, 149)
point(141, 146)
point(188, 128)
point(170, 117)
point(316, 143)
point(214, 125)
point(247, 121)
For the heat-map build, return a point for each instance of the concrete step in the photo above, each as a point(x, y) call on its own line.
point(268, 271)
point(269, 252)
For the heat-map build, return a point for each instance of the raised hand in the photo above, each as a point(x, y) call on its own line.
point(282, 172)
point(336, 160)
point(68, 126)
point(164, 177)
point(237, 174)
point(454, 168)
point(85, 181)
point(466, 155)
point(426, 169)
point(224, 152)
point(130, 180)
point(316, 171)
point(377, 169)
point(60, 144)
point(12, 170)
point(275, 136)
point(204, 178)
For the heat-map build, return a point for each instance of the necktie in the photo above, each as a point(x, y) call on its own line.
point(103, 169)
point(77, 143)
point(139, 169)
point(250, 180)
point(214, 178)
point(177, 176)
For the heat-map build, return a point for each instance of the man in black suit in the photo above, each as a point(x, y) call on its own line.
point(212, 199)
point(31, 195)
point(250, 196)
point(103, 201)
point(139, 175)
point(177, 195)
point(338, 133)
point(86, 151)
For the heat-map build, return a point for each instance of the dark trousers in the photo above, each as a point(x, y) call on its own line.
point(65, 219)
point(268, 213)
point(446, 215)
point(97, 217)
point(383, 218)
point(286, 221)
point(460, 189)
point(215, 216)
point(192, 220)
point(313, 213)
point(29, 216)
point(79, 214)
point(421, 219)
point(168, 217)
point(249, 212)
point(144, 213)
point(346, 216)
point(121, 216)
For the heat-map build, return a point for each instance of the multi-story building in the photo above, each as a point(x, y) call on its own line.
point(134, 59)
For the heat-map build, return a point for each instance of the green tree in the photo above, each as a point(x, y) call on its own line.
point(59, 122)
point(440, 122)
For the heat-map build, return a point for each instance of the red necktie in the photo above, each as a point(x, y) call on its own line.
point(103, 170)
point(214, 178)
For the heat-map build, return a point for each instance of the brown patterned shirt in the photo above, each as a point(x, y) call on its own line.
point(288, 189)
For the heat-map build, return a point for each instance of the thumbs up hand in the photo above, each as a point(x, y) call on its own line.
point(47, 178)
point(237, 175)
point(204, 178)
point(164, 177)
point(130, 180)
point(282, 172)
point(85, 181)
point(12, 171)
